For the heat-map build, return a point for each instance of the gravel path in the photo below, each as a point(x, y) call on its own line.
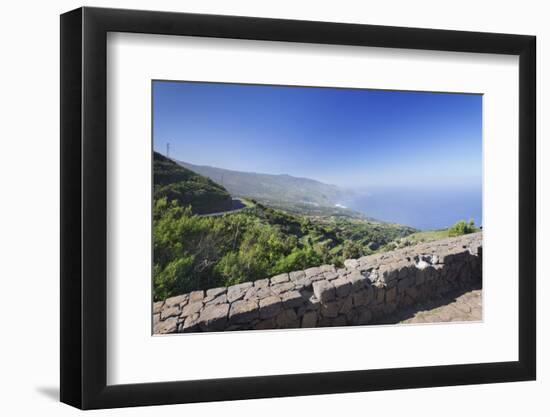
point(450, 307)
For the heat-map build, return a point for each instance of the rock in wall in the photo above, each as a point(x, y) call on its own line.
point(364, 290)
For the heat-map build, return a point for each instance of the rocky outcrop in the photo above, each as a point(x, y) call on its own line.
point(366, 289)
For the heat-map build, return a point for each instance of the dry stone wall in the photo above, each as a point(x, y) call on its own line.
point(365, 290)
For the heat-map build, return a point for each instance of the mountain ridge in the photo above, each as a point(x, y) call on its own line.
point(272, 187)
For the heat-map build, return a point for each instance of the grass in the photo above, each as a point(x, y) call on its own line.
point(428, 235)
point(248, 203)
point(421, 237)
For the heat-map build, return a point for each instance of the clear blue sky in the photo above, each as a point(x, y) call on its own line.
point(347, 137)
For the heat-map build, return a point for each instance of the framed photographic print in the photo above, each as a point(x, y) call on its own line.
point(258, 207)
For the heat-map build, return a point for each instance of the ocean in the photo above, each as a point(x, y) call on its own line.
point(420, 207)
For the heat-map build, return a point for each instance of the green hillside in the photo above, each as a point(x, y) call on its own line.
point(276, 189)
point(174, 182)
point(459, 228)
point(198, 252)
point(315, 210)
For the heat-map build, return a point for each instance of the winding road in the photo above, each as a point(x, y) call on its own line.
point(236, 206)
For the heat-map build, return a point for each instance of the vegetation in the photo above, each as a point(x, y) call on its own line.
point(315, 210)
point(174, 182)
point(462, 228)
point(197, 252)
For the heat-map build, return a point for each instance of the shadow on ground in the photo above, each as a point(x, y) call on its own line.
point(50, 392)
point(440, 300)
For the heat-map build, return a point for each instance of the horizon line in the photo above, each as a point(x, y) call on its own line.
point(352, 187)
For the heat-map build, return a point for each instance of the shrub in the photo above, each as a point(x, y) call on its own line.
point(193, 252)
point(462, 228)
point(352, 250)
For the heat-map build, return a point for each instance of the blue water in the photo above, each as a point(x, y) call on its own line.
point(421, 207)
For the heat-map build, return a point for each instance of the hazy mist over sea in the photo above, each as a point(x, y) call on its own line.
point(420, 207)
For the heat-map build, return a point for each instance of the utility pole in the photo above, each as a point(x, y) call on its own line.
point(168, 149)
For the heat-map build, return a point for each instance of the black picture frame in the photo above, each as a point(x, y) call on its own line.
point(84, 207)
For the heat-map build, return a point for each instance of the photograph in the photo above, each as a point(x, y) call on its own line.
point(268, 205)
point(281, 207)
